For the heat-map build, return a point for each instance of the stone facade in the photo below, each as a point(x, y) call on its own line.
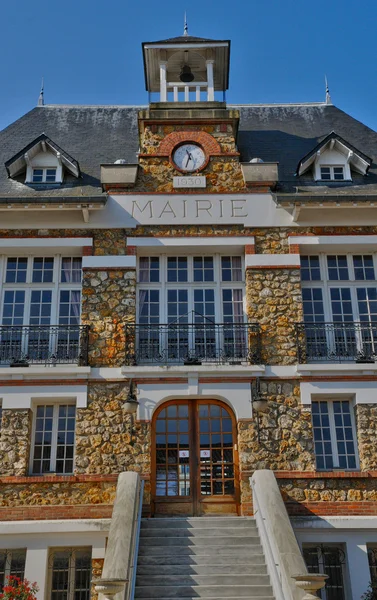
point(274, 301)
point(366, 421)
point(14, 457)
point(109, 302)
point(69, 493)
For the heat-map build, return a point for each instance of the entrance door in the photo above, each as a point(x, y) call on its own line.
point(194, 466)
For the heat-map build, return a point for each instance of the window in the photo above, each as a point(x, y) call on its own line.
point(334, 435)
point(191, 305)
point(331, 173)
point(331, 561)
point(40, 292)
point(341, 291)
point(70, 573)
point(45, 175)
point(372, 559)
point(12, 562)
point(54, 439)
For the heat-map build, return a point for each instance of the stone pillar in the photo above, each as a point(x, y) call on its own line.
point(163, 82)
point(274, 301)
point(109, 303)
point(107, 439)
point(14, 457)
point(210, 81)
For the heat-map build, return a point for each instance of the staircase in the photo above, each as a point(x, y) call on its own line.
point(217, 558)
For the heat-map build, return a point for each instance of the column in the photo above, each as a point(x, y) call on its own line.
point(358, 567)
point(36, 567)
point(210, 82)
point(163, 86)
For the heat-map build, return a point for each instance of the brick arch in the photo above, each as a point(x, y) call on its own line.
point(208, 143)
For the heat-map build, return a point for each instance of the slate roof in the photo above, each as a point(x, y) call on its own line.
point(102, 134)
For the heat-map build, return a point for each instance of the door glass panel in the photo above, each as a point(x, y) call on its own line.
point(216, 462)
point(172, 452)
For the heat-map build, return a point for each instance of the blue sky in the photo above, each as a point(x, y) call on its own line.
point(89, 52)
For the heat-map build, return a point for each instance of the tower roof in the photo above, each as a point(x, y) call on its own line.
point(187, 39)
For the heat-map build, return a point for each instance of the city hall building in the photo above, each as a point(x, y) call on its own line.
point(214, 267)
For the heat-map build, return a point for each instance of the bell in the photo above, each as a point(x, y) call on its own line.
point(186, 76)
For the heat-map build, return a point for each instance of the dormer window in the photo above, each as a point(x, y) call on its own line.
point(44, 175)
point(332, 173)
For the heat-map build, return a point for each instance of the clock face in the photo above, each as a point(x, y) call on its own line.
point(189, 157)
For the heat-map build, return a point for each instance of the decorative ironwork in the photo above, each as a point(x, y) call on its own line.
point(193, 343)
point(329, 560)
point(70, 573)
point(21, 346)
point(12, 562)
point(372, 559)
point(337, 342)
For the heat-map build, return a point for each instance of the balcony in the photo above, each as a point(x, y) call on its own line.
point(336, 342)
point(193, 344)
point(21, 346)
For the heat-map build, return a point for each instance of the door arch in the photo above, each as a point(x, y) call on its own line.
point(194, 458)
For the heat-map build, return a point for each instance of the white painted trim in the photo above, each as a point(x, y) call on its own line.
point(361, 392)
point(334, 240)
point(23, 397)
point(196, 242)
point(63, 243)
point(341, 522)
point(183, 371)
point(337, 369)
point(189, 46)
point(51, 526)
point(236, 395)
point(44, 372)
point(109, 262)
point(272, 260)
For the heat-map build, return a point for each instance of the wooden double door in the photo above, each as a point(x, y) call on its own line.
point(195, 459)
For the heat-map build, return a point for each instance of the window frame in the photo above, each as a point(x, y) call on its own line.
point(332, 174)
point(55, 286)
point(54, 437)
point(321, 568)
point(71, 568)
point(44, 174)
point(325, 284)
point(9, 552)
point(217, 284)
point(333, 439)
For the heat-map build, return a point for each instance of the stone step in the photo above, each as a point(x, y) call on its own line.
point(202, 569)
point(201, 580)
point(237, 558)
point(242, 551)
point(203, 591)
point(198, 522)
point(205, 531)
point(202, 539)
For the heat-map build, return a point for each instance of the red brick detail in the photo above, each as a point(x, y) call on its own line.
point(315, 474)
point(20, 383)
point(330, 509)
point(294, 249)
point(209, 144)
point(87, 251)
point(108, 268)
point(223, 128)
point(154, 128)
point(43, 513)
point(95, 478)
point(131, 250)
point(249, 249)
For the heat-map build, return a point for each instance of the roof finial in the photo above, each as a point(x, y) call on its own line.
point(41, 100)
point(185, 27)
point(328, 97)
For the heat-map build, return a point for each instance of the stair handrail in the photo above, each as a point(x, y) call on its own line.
point(285, 563)
point(119, 569)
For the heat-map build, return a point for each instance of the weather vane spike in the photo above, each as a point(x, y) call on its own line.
point(328, 97)
point(185, 27)
point(41, 100)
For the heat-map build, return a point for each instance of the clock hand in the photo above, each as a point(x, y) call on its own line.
point(189, 157)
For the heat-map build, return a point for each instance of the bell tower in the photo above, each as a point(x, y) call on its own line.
point(187, 68)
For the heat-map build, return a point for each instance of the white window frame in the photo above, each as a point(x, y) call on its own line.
point(71, 568)
point(54, 439)
point(332, 175)
point(325, 284)
point(44, 160)
point(44, 174)
point(330, 400)
point(55, 286)
point(217, 284)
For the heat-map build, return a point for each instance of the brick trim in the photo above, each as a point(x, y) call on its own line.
point(95, 269)
point(85, 478)
point(207, 141)
point(56, 512)
point(47, 382)
point(250, 249)
point(266, 267)
point(330, 509)
point(318, 474)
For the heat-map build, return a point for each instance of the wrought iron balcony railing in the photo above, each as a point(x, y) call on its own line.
point(337, 342)
point(26, 345)
point(193, 344)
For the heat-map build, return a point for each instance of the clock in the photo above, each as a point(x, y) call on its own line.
point(189, 157)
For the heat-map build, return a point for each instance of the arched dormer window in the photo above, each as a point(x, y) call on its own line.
point(333, 159)
point(42, 162)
